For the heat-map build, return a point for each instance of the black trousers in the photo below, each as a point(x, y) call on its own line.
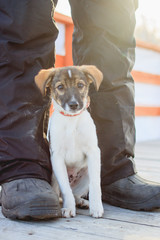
point(103, 36)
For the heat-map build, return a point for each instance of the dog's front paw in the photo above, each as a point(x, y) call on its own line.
point(68, 212)
point(96, 210)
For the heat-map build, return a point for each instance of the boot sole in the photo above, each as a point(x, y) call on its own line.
point(37, 210)
point(149, 205)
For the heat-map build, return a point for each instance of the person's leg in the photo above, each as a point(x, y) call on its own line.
point(104, 36)
point(27, 37)
point(99, 40)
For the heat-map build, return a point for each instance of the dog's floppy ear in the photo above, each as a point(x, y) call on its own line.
point(94, 74)
point(43, 78)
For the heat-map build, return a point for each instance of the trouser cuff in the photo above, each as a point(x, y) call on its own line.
point(22, 168)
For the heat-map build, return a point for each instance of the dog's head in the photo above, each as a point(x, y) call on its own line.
point(69, 85)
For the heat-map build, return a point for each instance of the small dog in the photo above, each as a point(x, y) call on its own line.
point(74, 149)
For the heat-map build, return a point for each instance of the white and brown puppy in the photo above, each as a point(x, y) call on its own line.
point(74, 149)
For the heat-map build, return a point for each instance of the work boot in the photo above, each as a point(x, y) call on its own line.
point(133, 193)
point(29, 198)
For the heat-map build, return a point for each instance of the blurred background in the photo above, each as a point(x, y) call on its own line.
point(148, 21)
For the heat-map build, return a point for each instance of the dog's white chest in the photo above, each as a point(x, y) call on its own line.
point(72, 138)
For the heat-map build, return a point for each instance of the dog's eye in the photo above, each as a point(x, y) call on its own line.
point(60, 87)
point(80, 85)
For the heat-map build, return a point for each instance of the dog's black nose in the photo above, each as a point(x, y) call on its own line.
point(73, 105)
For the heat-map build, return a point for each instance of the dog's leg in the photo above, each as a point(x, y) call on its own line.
point(81, 189)
point(94, 166)
point(59, 168)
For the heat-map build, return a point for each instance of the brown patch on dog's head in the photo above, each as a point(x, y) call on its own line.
point(43, 77)
point(69, 85)
point(94, 75)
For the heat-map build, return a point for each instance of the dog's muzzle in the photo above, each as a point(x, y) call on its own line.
point(73, 105)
